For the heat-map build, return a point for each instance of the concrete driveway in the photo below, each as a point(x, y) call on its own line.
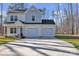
point(38, 47)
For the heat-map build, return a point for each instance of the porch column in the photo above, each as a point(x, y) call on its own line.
point(5, 31)
point(18, 31)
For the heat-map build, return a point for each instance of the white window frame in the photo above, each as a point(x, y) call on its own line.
point(13, 18)
point(12, 30)
point(34, 17)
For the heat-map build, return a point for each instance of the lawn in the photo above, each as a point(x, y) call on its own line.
point(73, 39)
point(4, 40)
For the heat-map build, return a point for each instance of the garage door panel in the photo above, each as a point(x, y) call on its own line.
point(47, 32)
point(31, 32)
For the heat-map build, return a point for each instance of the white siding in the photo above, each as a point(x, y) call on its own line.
point(19, 15)
point(32, 30)
point(8, 31)
point(28, 16)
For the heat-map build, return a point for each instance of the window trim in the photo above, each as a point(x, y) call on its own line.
point(33, 17)
point(13, 18)
point(12, 30)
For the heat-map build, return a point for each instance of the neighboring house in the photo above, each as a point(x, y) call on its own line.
point(28, 23)
point(1, 26)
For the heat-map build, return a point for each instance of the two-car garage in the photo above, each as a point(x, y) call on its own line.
point(44, 29)
point(38, 32)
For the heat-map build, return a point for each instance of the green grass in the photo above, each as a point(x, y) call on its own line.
point(4, 40)
point(73, 39)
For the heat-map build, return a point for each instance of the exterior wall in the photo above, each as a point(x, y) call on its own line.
point(19, 15)
point(37, 14)
point(27, 16)
point(8, 31)
point(31, 30)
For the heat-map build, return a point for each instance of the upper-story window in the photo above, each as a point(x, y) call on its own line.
point(13, 18)
point(33, 18)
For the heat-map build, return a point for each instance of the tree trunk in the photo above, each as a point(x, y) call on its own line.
point(71, 20)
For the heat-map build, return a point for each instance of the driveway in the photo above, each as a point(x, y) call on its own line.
point(38, 47)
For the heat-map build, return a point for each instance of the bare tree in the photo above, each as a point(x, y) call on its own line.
point(1, 25)
point(65, 22)
point(1, 12)
point(76, 20)
point(71, 20)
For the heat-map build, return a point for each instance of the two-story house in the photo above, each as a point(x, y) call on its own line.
point(28, 22)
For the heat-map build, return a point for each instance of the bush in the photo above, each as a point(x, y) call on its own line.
point(6, 39)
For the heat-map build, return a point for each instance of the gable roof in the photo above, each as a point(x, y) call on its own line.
point(16, 10)
point(34, 8)
point(24, 10)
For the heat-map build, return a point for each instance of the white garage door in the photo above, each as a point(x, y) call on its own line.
point(31, 32)
point(47, 32)
point(34, 32)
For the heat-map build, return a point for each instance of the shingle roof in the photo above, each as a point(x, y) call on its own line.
point(48, 21)
point(9, 22)
point(44, 21)
point(16, 10)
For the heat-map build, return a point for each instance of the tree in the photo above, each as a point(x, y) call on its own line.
point(65, 22)
point(71, 20)
point(1, 25)
point(76, 20)
point(1, 12)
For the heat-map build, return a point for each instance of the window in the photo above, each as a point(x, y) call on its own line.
point(15, 18)
point(11, 18)
point(33, 18)
point(12, 30)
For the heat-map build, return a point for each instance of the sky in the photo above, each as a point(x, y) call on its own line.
point(49, 7)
